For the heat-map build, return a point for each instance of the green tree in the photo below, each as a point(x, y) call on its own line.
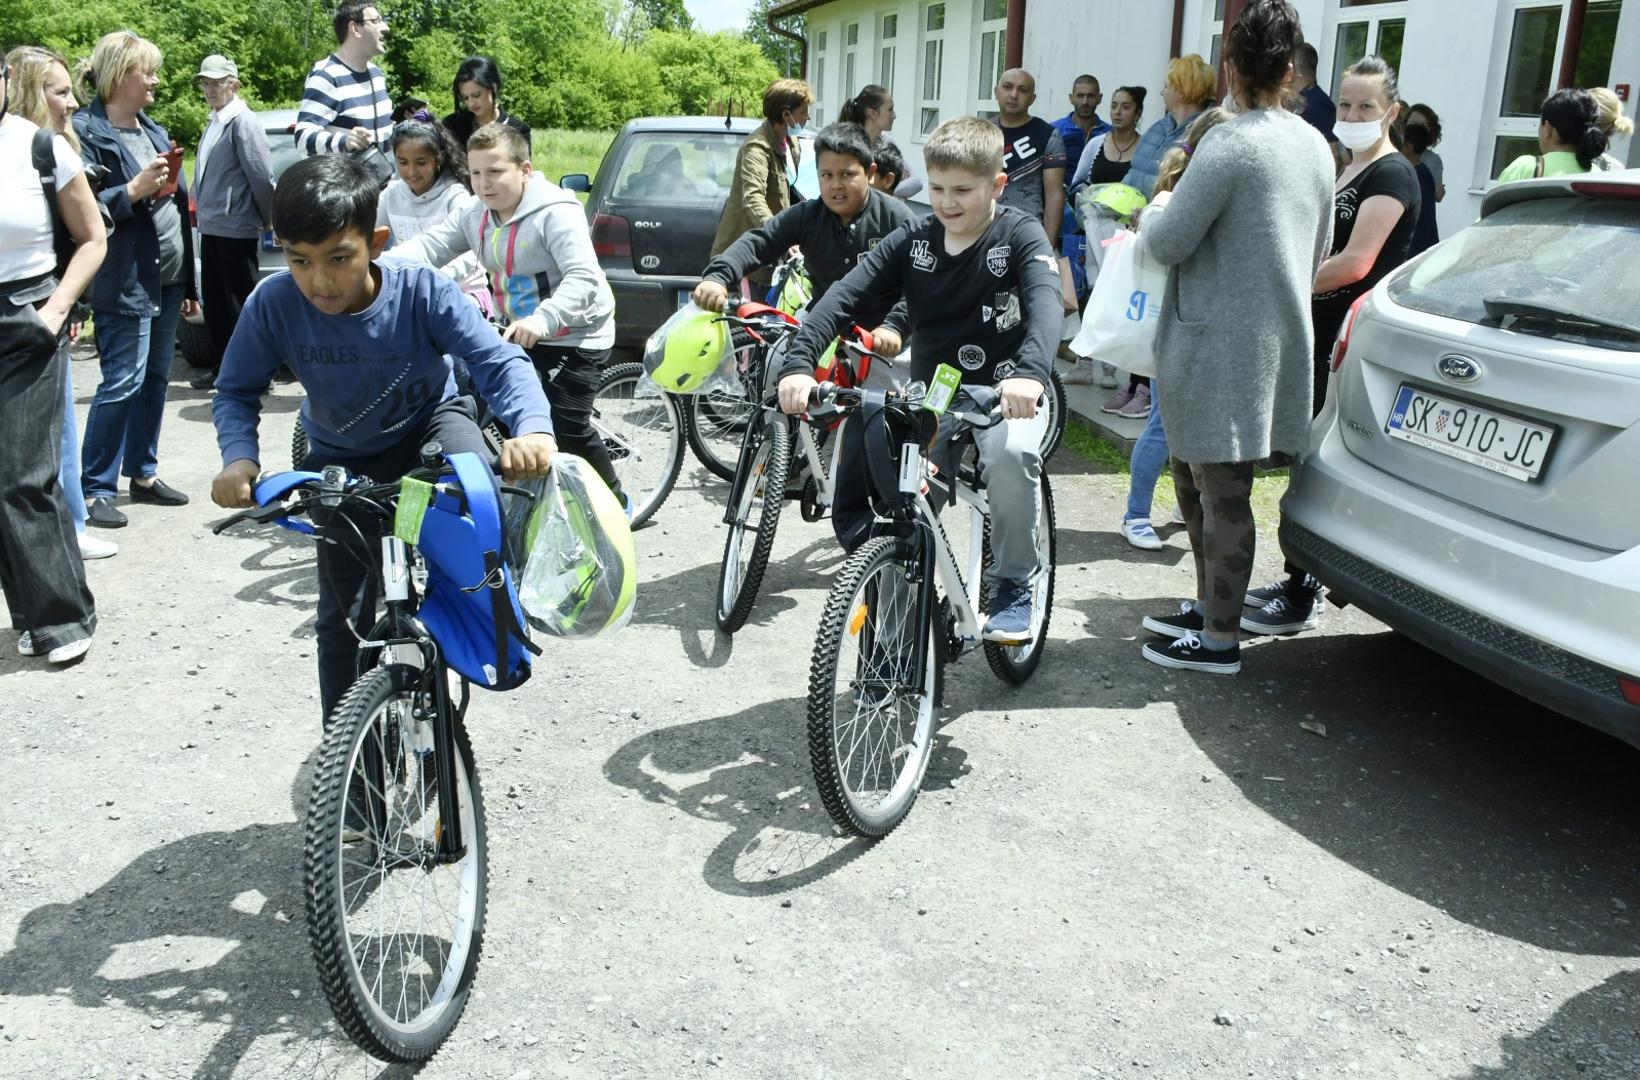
point(664, 14)
point(705, 72)
point(783, 52)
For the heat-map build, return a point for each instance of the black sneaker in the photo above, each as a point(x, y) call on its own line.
point(1282, 616)
point(1187, 621)
point(1189, 654)
point(1257, 598)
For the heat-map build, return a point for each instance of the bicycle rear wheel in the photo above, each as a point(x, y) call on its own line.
point(871, 731)
point(1016, 663)
point(298, 445)
point(643, 428)
point(752, 524)
point(396, 932)
point(717, 420)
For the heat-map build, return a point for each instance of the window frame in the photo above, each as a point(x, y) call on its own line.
point(930, 103)
point(1372, 14)
point(888, 48)
point(984, 103)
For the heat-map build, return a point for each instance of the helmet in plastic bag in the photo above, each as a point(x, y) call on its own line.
point(687, 350)
point(1112, 200)
point(795, 291)
point(577, 570)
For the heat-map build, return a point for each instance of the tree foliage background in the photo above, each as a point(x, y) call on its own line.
point(566, 63)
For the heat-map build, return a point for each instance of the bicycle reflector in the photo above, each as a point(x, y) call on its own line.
point(572, 546)
point(688, 349)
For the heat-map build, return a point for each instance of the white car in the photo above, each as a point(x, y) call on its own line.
point(1474, 480)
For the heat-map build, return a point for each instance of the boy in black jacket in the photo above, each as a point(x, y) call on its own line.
point(981, 287)
point(833, 232)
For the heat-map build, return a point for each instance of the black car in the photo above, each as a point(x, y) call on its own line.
point(654, 210)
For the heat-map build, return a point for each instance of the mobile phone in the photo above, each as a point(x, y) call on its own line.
point(173, 165)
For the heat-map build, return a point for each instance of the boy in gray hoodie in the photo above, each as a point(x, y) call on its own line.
point(550, 293)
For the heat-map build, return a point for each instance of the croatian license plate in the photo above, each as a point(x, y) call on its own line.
point(1481, 437)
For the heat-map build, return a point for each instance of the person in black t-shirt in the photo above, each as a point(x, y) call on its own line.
point(1375, 209)
point(833, 231)
point(1033, 154)
point(981, 286)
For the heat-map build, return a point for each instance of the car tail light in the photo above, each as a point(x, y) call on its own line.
point(1630, 688)
point(1597, 189)
point(611, 236)
point(1342, 344)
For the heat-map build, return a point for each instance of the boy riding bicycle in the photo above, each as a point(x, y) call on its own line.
point(981, 287)
point(833, 231)
point(370, 343)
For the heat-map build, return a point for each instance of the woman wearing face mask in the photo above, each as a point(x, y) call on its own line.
point(762, 186)
point(1376, 202)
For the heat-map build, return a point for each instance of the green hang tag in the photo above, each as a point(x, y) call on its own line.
point(941, 389)
point(414, 498)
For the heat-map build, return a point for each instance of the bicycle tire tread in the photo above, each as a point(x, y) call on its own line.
point(774, 496)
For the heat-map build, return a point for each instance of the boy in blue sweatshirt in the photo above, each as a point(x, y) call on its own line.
point(370, 345)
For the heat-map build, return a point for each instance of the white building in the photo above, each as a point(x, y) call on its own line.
point(1483, 65)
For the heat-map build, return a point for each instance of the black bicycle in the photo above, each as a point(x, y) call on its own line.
point(395, 855)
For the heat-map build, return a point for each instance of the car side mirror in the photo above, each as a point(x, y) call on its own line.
point(576, 182)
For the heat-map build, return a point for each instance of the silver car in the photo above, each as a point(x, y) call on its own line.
point(1473, 479)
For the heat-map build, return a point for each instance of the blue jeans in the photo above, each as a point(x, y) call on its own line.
point(123, 425)
point(68, 476)
point(1148, 461)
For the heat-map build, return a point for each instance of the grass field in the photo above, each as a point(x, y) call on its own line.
point(558, 152)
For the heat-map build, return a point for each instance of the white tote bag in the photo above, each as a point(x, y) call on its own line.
point(1124, 309)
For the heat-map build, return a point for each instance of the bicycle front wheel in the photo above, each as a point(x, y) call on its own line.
point(752, 524)
point(643, 427)
point(1016, 663)
point(1058, 412)
point(871, 721)
point(396, 928)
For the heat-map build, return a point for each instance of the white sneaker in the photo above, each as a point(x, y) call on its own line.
point(1141, 534)
point(25, 645)
point(95, 547)
point(1082, 373)
point(1107, 376)
point(67, 654)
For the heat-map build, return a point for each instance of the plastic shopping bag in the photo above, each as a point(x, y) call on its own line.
point(690, 353)
point(572, 550)
point(1124, 309)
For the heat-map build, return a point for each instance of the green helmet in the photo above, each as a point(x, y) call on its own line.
point(577, 569)
point(684, 353)
point(1115, 200)
point(796, 291)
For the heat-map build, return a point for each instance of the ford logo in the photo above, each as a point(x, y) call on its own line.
point(649, 262)
point(1458, 368)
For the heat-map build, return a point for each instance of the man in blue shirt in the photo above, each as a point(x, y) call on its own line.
point(371, 345)
point(1075, 129)
point(1313, 103)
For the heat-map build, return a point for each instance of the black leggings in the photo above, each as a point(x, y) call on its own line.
point(571, 377)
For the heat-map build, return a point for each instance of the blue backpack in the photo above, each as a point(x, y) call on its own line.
point(471, 603)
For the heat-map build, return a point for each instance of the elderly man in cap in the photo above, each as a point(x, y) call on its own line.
point(233, 190)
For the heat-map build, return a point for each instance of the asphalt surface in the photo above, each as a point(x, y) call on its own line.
point(1114, 871)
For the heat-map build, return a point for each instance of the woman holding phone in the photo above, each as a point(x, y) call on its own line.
point(145, 284)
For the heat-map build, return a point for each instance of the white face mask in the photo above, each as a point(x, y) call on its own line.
point(1358, 135)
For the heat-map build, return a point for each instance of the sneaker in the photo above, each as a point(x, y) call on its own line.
point(95, 547)
point(205, 380)
point(25, 645)
point(1282, 616)
point(1187, 621)
point(1139, 407)
point(1082, 372)
point(1178, 516)
point(1189, 654)
point(1116, 404)
point(70, 653)
point(1107, 376)
point(1141, 534)
point(1009, 615)
point(1257, 598)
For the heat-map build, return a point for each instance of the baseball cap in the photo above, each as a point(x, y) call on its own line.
point(217, 66)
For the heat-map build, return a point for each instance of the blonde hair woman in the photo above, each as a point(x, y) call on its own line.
point(1610, 118)
point(1186, 91)
point(40, 569)
point(42, 91)
point(145, 284)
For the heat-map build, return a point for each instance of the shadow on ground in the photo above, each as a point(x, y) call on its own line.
point(206, 930)
point(1596, 1034)
point(750, 772)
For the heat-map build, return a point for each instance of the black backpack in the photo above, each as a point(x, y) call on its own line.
point(62, 241)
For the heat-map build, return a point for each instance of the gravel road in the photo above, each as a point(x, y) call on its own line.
point(1115, 871)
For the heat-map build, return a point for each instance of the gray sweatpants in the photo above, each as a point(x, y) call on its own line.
point(1011, 467)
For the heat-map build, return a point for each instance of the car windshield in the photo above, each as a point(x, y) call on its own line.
point(1562, 267)
point(692, 168)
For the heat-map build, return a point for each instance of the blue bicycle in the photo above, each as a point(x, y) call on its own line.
point(395, 854)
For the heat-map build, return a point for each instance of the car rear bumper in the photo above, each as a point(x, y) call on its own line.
point(643, 303)
point(1555, 626)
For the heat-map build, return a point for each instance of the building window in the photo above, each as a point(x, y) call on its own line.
point(993, 54)
point(817, 110)
point(1537, 43)
point(888, 31)
point(932, 76)
point(851, 53)
point(1378, 32)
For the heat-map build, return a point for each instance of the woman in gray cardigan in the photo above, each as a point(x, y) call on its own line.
point(1243, 235)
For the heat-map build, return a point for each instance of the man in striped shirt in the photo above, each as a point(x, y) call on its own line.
point(344, 102)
